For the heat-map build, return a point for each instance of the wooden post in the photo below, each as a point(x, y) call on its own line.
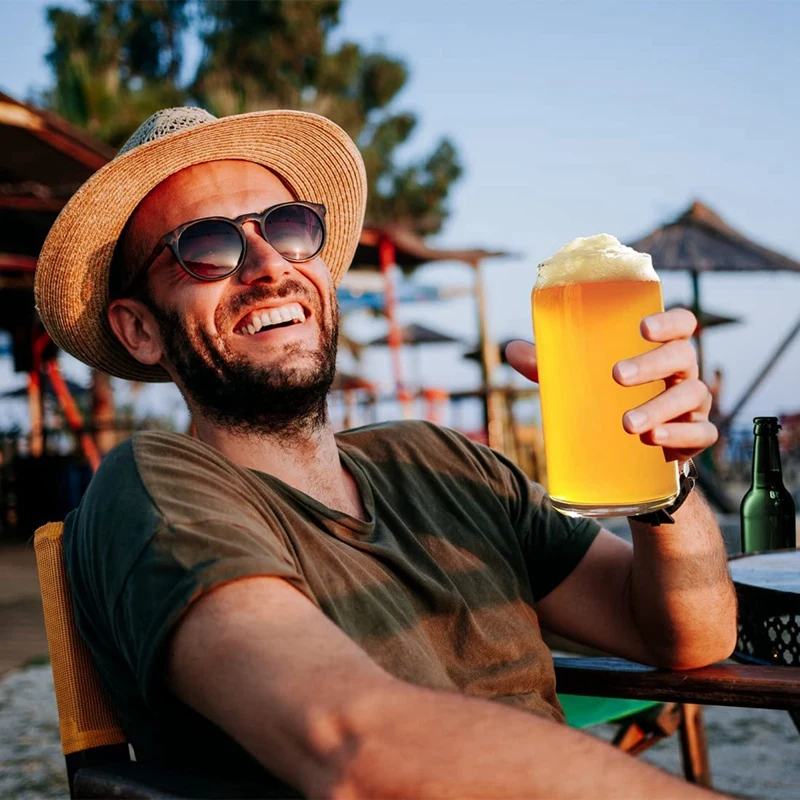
point(698, 335)
point(102, 413)
point(386, 257)
point(38, 440)
point(72, 414)
point(694, 750)
point(763, 372)
point(36, 446)
point(493, 404)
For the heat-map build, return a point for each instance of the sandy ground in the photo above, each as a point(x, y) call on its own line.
point(753, 753)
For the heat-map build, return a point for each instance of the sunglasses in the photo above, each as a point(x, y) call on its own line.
point(213, 248)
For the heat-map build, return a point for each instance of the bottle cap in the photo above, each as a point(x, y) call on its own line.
point(766, 425)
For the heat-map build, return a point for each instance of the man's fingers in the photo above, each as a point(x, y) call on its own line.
point(677, 323)
point(522, 356)
point(675, 359)
point(683, 436)
point(682, 398)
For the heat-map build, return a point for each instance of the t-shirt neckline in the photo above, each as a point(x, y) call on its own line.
point(358, 526)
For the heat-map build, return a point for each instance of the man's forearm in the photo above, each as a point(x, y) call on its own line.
point(413, 742)
point(681, 596)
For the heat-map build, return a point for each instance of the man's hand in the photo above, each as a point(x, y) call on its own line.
point(677, 419)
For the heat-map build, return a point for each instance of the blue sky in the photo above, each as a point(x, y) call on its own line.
point(574, 118)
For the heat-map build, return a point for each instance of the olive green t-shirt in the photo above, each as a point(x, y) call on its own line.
point(438, 586)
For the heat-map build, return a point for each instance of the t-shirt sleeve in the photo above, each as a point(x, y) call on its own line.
point(552, 543)
point(160, 527)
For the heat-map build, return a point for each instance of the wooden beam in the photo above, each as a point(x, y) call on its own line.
point(69, 147)
point(16, 281)
point(29, 203)
point(13, 262)
point(762, 374)
point(741, 685)
point(40, 125)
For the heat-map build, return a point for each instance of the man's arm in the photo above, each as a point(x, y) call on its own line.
point(666, 601)
point(262, 662)
point(669, 601)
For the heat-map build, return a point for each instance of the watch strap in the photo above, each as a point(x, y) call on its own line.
point(663, 516)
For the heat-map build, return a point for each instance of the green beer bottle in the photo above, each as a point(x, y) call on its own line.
point(767, 513)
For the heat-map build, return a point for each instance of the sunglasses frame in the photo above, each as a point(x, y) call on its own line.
point(171, 240)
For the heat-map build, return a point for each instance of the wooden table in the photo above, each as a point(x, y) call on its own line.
point(768, 588)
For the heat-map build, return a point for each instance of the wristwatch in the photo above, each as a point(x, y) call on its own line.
point(664, 515)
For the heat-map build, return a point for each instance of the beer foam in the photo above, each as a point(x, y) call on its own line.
point(594, 259)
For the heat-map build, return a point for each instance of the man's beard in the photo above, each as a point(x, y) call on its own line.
point(277, 401)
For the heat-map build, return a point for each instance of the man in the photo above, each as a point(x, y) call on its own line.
point(336, 612)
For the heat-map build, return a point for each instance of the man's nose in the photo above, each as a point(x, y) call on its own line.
point(262, 261)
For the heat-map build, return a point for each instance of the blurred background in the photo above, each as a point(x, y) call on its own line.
point(491, 138)
point(493, 133)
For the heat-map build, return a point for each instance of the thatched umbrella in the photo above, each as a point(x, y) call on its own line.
point(415, 335)
point(21, 393)
point(699, 240)
point(476, 355)
point(707, 319)
point(386, 246)
point(346, 382)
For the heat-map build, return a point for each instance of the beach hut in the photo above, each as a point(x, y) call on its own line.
point(388, 247)
point(43, 160)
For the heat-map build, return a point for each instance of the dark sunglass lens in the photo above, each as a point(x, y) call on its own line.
point(211, 249)
point(295, 231)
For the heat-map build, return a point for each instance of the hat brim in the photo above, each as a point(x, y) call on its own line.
point(314, 156)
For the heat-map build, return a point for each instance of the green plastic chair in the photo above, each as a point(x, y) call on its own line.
point(643, 723)
point(584, 712)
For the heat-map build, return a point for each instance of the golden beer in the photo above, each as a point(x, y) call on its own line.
point(582, 328)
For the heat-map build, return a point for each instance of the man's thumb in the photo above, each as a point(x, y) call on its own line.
point(522, 357)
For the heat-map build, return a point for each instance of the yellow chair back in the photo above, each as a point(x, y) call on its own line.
point(86, 717)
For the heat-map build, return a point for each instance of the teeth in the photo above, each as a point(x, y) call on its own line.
point(273, 316)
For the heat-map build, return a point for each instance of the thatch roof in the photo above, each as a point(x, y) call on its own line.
point(411, 251)
point(699, 240)
point(708, 319)
point(476, 355)
point(75, 389)
point(417, 334)
point(43, 160)
point(344, 381)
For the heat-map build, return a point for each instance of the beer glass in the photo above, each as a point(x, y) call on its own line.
point(588, 304)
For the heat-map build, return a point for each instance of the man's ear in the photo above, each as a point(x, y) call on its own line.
point(134, 325)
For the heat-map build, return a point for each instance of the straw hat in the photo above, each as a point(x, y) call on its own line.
point(313, 156)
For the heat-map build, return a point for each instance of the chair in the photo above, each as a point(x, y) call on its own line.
point(96, 751)
point(98, 758)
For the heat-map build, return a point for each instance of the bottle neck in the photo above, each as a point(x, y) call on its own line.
point(766, 462)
